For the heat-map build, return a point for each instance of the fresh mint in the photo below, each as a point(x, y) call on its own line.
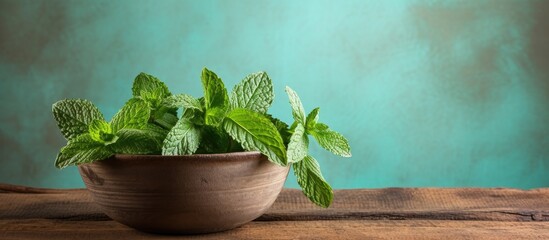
point(135, 141)
point(215, 93)
point(101, 131)
point(134, 114)
point(256, 132)
point(312, 118)
point(74, 115)
point(131, 131)
point(297, 107)
point(154, 92)
point(148, 86)
point(184, 138)
point(331, 140)
point(312, 182)
point(306, 168)
point(81, 149)
point(215, 123)
point(183, 101)
point(254, 92)
point(298, 147)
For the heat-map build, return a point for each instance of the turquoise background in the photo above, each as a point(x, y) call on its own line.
point(429, 93)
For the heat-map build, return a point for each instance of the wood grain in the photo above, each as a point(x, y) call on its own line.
point(424, 213)
point(327, 229)
point(496, 204)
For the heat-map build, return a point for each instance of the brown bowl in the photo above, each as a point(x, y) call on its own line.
point(199, 193)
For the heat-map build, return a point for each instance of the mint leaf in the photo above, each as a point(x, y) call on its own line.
point(299, 145)
point(149, 87)
point(215, 94)
point(331, 140)
point(312, 183)
point(254, 92)
point(282, 128)
point(100, 131)
point(167, 120)
point(154, 98)
point(256, 132)
point(80, 143)
point(84, 156)
point(74, 115)
point(135, 141)
point(214, 116)
point(135, 114)
point(155, 131)
point(154, 92)
point(62, 160)
point(218, 141)
point(184, 138)
point(297, 107)
point(82, 149)
point(312, 118)
point(183, 101)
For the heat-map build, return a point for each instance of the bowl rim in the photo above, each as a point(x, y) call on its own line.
point(208, 157)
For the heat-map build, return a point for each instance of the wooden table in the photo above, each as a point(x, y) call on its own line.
point(422, 213)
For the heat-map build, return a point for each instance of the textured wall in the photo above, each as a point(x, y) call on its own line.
point(429, 93)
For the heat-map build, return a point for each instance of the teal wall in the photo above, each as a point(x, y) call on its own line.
point(429, 93)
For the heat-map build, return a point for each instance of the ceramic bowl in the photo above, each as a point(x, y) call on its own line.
point(189, 194)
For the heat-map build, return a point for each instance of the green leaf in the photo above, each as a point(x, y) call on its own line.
point(195, 116)
point(217, 140)
point(101, 131)
point(254, 92)
point(135, 114)
point(282, 128)
point(331, 140)
point(183, 101)
point(215, 93)
point(135, 141)
point(214, 116)
point(312, 119)
point(155, 131)
point(149, 87)
point(82, 149)
point(184, 138)
point(299, 145)
point(312, 183)
point(297, 107)
point(74, 115)
point(62, 160)
point(154, 98)
point(167, 120)
point(255, 132)
point(320, 127)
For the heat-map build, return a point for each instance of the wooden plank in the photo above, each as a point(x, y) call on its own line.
point(9, 188)
point(426, 213)
point(327, 229)
point(498, 204)
point(391, 203)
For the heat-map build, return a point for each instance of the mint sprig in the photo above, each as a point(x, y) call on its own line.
point(134, 114)
point(330, 140)
point(298, 147)
point(254, 92)
point(92, 138)
point(312, 182)
point(256, 132)
point(216, 119)
point(82, 149)
point(155, 93)
point(306, 168)
point(184, 138)
point(215, 123)
point(74, 115)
